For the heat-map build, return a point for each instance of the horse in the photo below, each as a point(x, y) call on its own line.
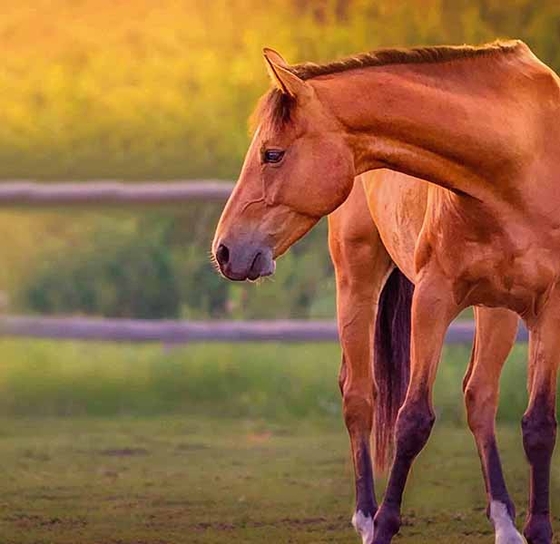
point(373, 312)
point(480, 127)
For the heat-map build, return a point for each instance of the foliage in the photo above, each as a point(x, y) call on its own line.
point(126, 276)
point(144, 90)
point(156, 266)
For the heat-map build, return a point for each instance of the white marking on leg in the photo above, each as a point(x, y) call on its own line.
point(364, 526)
point(506, 533)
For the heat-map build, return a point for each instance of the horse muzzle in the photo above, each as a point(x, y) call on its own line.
point(244, 262)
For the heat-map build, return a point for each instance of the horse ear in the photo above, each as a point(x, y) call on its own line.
point(282, 77)
point(274, 57)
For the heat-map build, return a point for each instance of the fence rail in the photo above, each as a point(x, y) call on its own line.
point(138, 330)
point(95, 193)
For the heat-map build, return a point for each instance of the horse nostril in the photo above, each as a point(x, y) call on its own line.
point(254, 271)
point(222, 255)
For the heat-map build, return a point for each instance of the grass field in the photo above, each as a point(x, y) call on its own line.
point(151, 444)
point(200, 480)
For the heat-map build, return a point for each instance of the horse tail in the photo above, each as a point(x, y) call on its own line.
point(391, 363)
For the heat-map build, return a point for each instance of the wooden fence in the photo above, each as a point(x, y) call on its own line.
point(139, 330)
point(110, 193)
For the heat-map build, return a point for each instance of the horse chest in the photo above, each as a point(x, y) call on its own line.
point(498, 267)
point(519, 282)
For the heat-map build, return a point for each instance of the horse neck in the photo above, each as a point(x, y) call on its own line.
point(461, 125)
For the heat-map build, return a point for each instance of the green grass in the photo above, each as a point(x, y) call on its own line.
point(275, 381)
point(199, 480)
point(223, 442)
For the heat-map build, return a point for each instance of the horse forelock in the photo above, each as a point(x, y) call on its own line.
point(273, 112)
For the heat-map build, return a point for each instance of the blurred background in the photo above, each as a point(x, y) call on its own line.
point(144, 91)
point(138, 90)
point(152, 91)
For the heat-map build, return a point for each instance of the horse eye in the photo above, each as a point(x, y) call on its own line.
point(273, 155)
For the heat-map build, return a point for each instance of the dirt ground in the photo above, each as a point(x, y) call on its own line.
point(206, 481)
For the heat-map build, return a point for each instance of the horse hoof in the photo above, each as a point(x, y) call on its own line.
point(513, 538)
point(386, 525)
point(506, 533)
point(538, 530)
point(364, 526)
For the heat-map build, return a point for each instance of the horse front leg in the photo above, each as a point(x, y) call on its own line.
point(495, 335)
point(361, 266)
point(539, 422)
point(433, 309)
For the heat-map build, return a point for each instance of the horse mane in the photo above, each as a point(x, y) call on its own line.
point(275, 108)
point(412, 55)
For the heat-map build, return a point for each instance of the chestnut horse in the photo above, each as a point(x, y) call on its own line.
point(482, 125)
point(373, 309)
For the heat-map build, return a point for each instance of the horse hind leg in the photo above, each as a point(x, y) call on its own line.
point(433, 309)
point(494, 337)
point(361, 266)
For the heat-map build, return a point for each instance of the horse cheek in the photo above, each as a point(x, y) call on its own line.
point(338, 180)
